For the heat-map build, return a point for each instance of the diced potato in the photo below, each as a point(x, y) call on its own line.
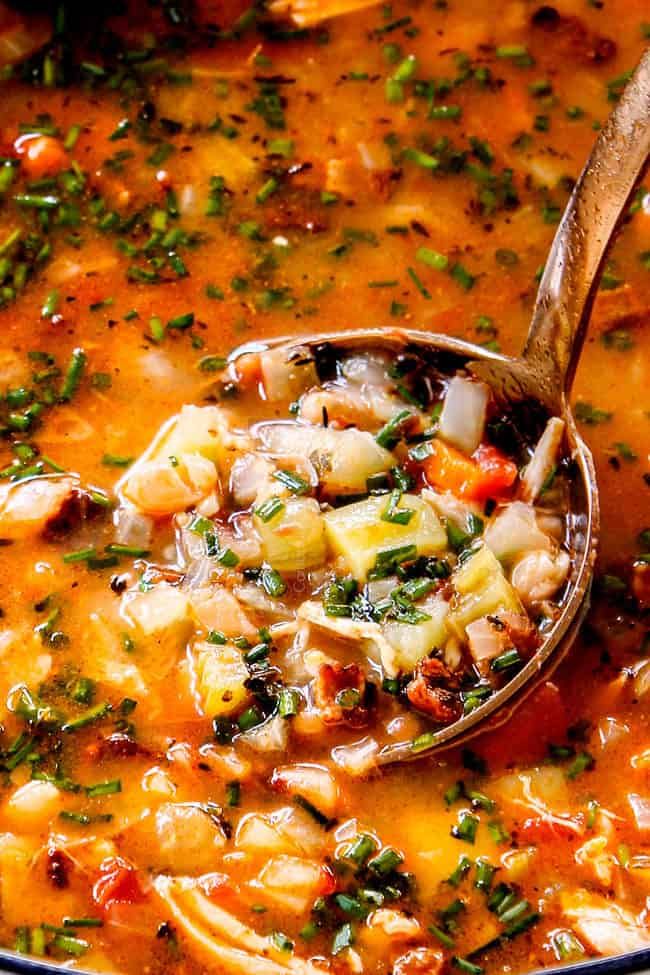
point(165, 486)
point(290, 882)
point(216, 608)
point(342, 459)
point(358, 534)
point(186, 839)
point(476, 571)
point(313, 782)
point(162, 621)
point(606, 927)
point(513, 530)
point(221, 675)
point(294, 539)
point(411, 642)
point(482, 590)
point(32, 806)
point(27, 506)
point(195, 430)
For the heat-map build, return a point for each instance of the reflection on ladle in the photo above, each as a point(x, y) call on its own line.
point(543, 374)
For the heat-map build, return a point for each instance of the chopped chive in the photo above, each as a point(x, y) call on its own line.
point(442, 937)
point(109, 788)
point(217, 638)
point(463, 965)
point(269, 509)
point(506, 660)
point(288, 701)
point(70, 945)
point(88, 717)
point(115, 460)
point(80, 555)
point(418, 284)
point(395, 515)
point(272, 582)
point(385, 862)
point(432, 258)
point(390, 435)
point(134, 551)
point(460, 871)
point(580, 764)
point(292, 481)
point(73, 375)
point(51, 305)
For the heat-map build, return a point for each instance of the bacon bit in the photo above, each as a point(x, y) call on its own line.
point(118, 883)
point(42, 155)
point(419, 961)
point(119, 745)
point(433, 690)
point(57, 867)
point(77, 508)
point(641, 583)
point(330, 684)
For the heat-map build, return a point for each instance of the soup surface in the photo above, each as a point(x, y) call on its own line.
point(227, 585)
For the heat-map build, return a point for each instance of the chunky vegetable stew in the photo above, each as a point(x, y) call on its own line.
point(235, 570)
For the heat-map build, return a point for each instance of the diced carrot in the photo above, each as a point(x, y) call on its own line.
point(487, 474)
point(42, 155)
point(541, 719)
point(117, 883)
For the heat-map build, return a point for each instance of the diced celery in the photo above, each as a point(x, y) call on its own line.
point(358, 534)
point(408, 643)
point(294, 538)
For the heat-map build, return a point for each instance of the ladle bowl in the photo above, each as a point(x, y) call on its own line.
point(541, 377)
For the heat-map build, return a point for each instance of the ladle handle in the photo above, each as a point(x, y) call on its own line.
point(574, 266)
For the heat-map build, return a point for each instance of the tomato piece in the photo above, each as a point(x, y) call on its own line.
point(42, 155)
point(487, 474)
point(328, 881)
point(117, 883)
point(541, 719)
point(498, 474)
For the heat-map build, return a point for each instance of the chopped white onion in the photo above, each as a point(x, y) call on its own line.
point(463, 414)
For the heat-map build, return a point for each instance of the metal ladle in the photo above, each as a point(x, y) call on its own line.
point(542, 375)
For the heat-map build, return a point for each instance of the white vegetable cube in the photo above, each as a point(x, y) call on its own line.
point(294, 538)
point(462, 419)
point(342, 459)
point(221, 674)
point(409, 643)
point(358, 533)
point(162, 624)
point(481, 590)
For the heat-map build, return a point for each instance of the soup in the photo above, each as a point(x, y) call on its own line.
point(230, 580)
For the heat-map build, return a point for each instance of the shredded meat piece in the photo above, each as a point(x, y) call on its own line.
point(419, 961)
point(119, 745)
point(521, 632)
point(573, 37)
point(330, 687)
point(77, 508)
point(434, 690)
